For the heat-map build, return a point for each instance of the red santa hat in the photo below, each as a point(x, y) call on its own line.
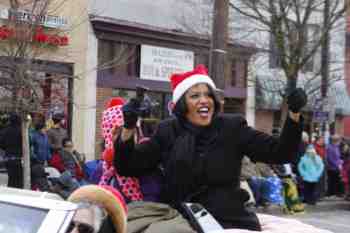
point(181, 82)
point(117, 101)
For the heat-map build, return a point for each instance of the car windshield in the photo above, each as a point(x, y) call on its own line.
point(20, 219)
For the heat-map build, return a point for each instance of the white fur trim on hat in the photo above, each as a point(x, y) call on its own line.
point(189, 82)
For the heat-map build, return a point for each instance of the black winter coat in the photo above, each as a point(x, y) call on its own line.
point(211, 176)
point(11, 140)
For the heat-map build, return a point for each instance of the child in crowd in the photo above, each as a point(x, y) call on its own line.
point(310, 168)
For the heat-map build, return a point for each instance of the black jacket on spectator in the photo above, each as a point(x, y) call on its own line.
point(11, 140)
point(11, 143)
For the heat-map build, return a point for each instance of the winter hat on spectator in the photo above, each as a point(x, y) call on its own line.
point(181, 82)
point(107, 197)
point(112, 116)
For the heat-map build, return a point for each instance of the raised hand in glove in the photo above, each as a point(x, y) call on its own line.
point(131, 113)
point(296, 100)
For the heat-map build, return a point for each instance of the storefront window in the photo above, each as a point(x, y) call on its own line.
point(119, 58)
point(48, 95)
point(159, 102)
point(157, 99)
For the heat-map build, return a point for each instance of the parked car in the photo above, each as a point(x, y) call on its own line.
point(25, 211)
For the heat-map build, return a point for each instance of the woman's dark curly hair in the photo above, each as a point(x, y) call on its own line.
point(180, 108)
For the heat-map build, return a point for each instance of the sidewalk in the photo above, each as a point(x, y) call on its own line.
point(326, 205)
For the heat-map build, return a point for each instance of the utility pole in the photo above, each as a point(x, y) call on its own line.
point(218, 50)
point(325, 65)
point(325, 52)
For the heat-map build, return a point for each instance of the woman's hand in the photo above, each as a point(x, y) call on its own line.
point(296, 100)
point(126, 134)
point(131, 113)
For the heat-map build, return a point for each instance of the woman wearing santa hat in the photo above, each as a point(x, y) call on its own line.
point(200, 149)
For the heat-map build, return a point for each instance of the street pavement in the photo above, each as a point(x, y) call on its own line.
point(332, 213)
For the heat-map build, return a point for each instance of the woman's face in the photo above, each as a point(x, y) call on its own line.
point(200, 105)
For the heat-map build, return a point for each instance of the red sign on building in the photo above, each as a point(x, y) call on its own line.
point(39, 36)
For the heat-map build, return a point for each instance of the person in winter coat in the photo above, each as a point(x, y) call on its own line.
point(346, 170)
point(40, 144)
point(334, 167)
point(200, 150)
point(57, 133)
point(310, 168)
point(320, 148)
point(72, 160)
point(11, 143)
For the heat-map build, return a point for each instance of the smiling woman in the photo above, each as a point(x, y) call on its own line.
point(200, 149)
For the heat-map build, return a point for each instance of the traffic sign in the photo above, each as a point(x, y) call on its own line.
point(320, 116)
point(318, 105)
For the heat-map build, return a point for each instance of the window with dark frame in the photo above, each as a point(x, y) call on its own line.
point(275, 55)
point(245, 73)
point(119, 58)
point(234, 72)
point(313, 32)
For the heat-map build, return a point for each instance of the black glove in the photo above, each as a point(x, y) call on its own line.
point(131, 113)
point(296, 100)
